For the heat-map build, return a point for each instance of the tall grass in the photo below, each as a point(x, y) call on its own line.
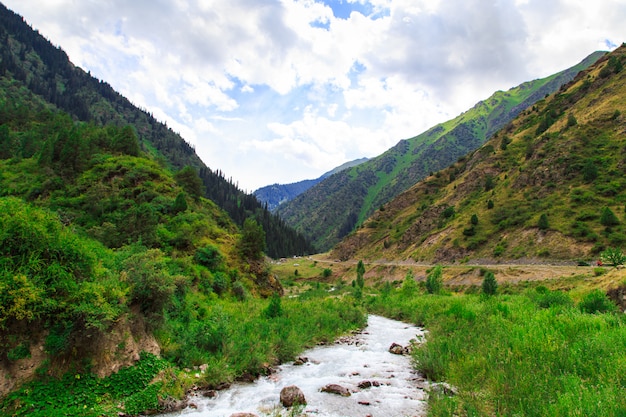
point(509, 356)
point(234, 339)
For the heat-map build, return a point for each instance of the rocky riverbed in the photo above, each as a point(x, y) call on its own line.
point(368, 374)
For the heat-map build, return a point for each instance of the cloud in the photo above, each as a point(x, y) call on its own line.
point(274, 90)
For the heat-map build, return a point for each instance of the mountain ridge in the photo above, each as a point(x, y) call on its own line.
point(276, 194)
point(334, 207)
point(547, 186)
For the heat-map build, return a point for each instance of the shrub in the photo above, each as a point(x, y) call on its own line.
point(274, 308)
point(596, 302)
point(409, 286)
point(608, 218)
point(542, 224)
point(327, 272)
point(434, 280)
point(546, 298)
point(613, 256)
point(490, 285)
point(209, 257)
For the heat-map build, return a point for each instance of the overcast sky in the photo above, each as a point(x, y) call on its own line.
point(285, 90)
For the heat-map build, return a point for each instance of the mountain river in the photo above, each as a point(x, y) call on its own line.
point(354, 363)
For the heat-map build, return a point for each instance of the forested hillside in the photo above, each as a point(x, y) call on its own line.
point(550, 185)
point(34, 63)
point(333, 208)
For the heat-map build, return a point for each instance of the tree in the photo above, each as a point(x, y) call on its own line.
point(190, 181)
point(608, 218)
point(613, 256)
point(542, 224)
point(360, 271)
point(180, 204)
point(490, 285)
point(252, 242)
point(474, 220)
point(434, 280)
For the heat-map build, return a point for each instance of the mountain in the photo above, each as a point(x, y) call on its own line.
point(333, 208)
point(277, 194)
point(31, 60)
point(550, 185)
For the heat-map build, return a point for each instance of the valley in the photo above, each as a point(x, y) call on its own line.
point(134, 277)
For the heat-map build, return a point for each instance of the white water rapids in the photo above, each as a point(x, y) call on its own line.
point(365, 357)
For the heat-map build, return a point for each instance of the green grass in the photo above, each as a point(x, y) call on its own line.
point(509, 356)
point(235, 339)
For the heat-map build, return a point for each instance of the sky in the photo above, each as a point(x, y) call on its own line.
point(277, 91)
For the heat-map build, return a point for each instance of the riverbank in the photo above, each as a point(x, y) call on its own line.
point(374, 381)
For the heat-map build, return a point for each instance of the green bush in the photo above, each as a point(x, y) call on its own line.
point(490, 285)
point(209, 257)
point(274, 308)
point(596, 302)
point(434, 280)
point(547, 298)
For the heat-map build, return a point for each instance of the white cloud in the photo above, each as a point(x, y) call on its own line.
point(278, 90)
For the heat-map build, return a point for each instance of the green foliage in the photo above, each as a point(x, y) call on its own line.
point(571, 120)
point(20, 351)
point(489, 204)
point(190, 181)
point(608, 218)
point(434, 280)
point(180, 204)
point(90, 396)
point(543, 224)
point(409, 286)
point(152, 285)
point(547, 299)
point(552, 360)
point(474, 220)
point(448, 212)
point(489, 285)
point(252, 242)
point(613, 256)
point(209, 257)
point(596, 302)
point(327, 272)
point(274, 308)
point(589, 170)
point(360, 271)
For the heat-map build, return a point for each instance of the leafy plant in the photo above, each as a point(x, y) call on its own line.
point(596, 302)
point(613, 256)
point(489, 285)
point(434, 280)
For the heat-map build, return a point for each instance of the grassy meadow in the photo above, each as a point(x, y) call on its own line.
point(532, 352)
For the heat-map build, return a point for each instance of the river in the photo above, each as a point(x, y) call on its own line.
point(349, 362)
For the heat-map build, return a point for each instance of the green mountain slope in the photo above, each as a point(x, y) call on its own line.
point(28, 58)
point(276, 194)
point(333, 208)
point(549, 185)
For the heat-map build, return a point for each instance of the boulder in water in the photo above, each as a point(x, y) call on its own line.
point(292, 395)
point(336, 389)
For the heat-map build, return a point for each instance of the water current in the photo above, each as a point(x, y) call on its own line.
point(394, 390)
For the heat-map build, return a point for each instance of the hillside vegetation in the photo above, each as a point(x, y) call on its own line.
point(109, 259)
point(333, 208)
point(550, 185)
point(33, 63)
